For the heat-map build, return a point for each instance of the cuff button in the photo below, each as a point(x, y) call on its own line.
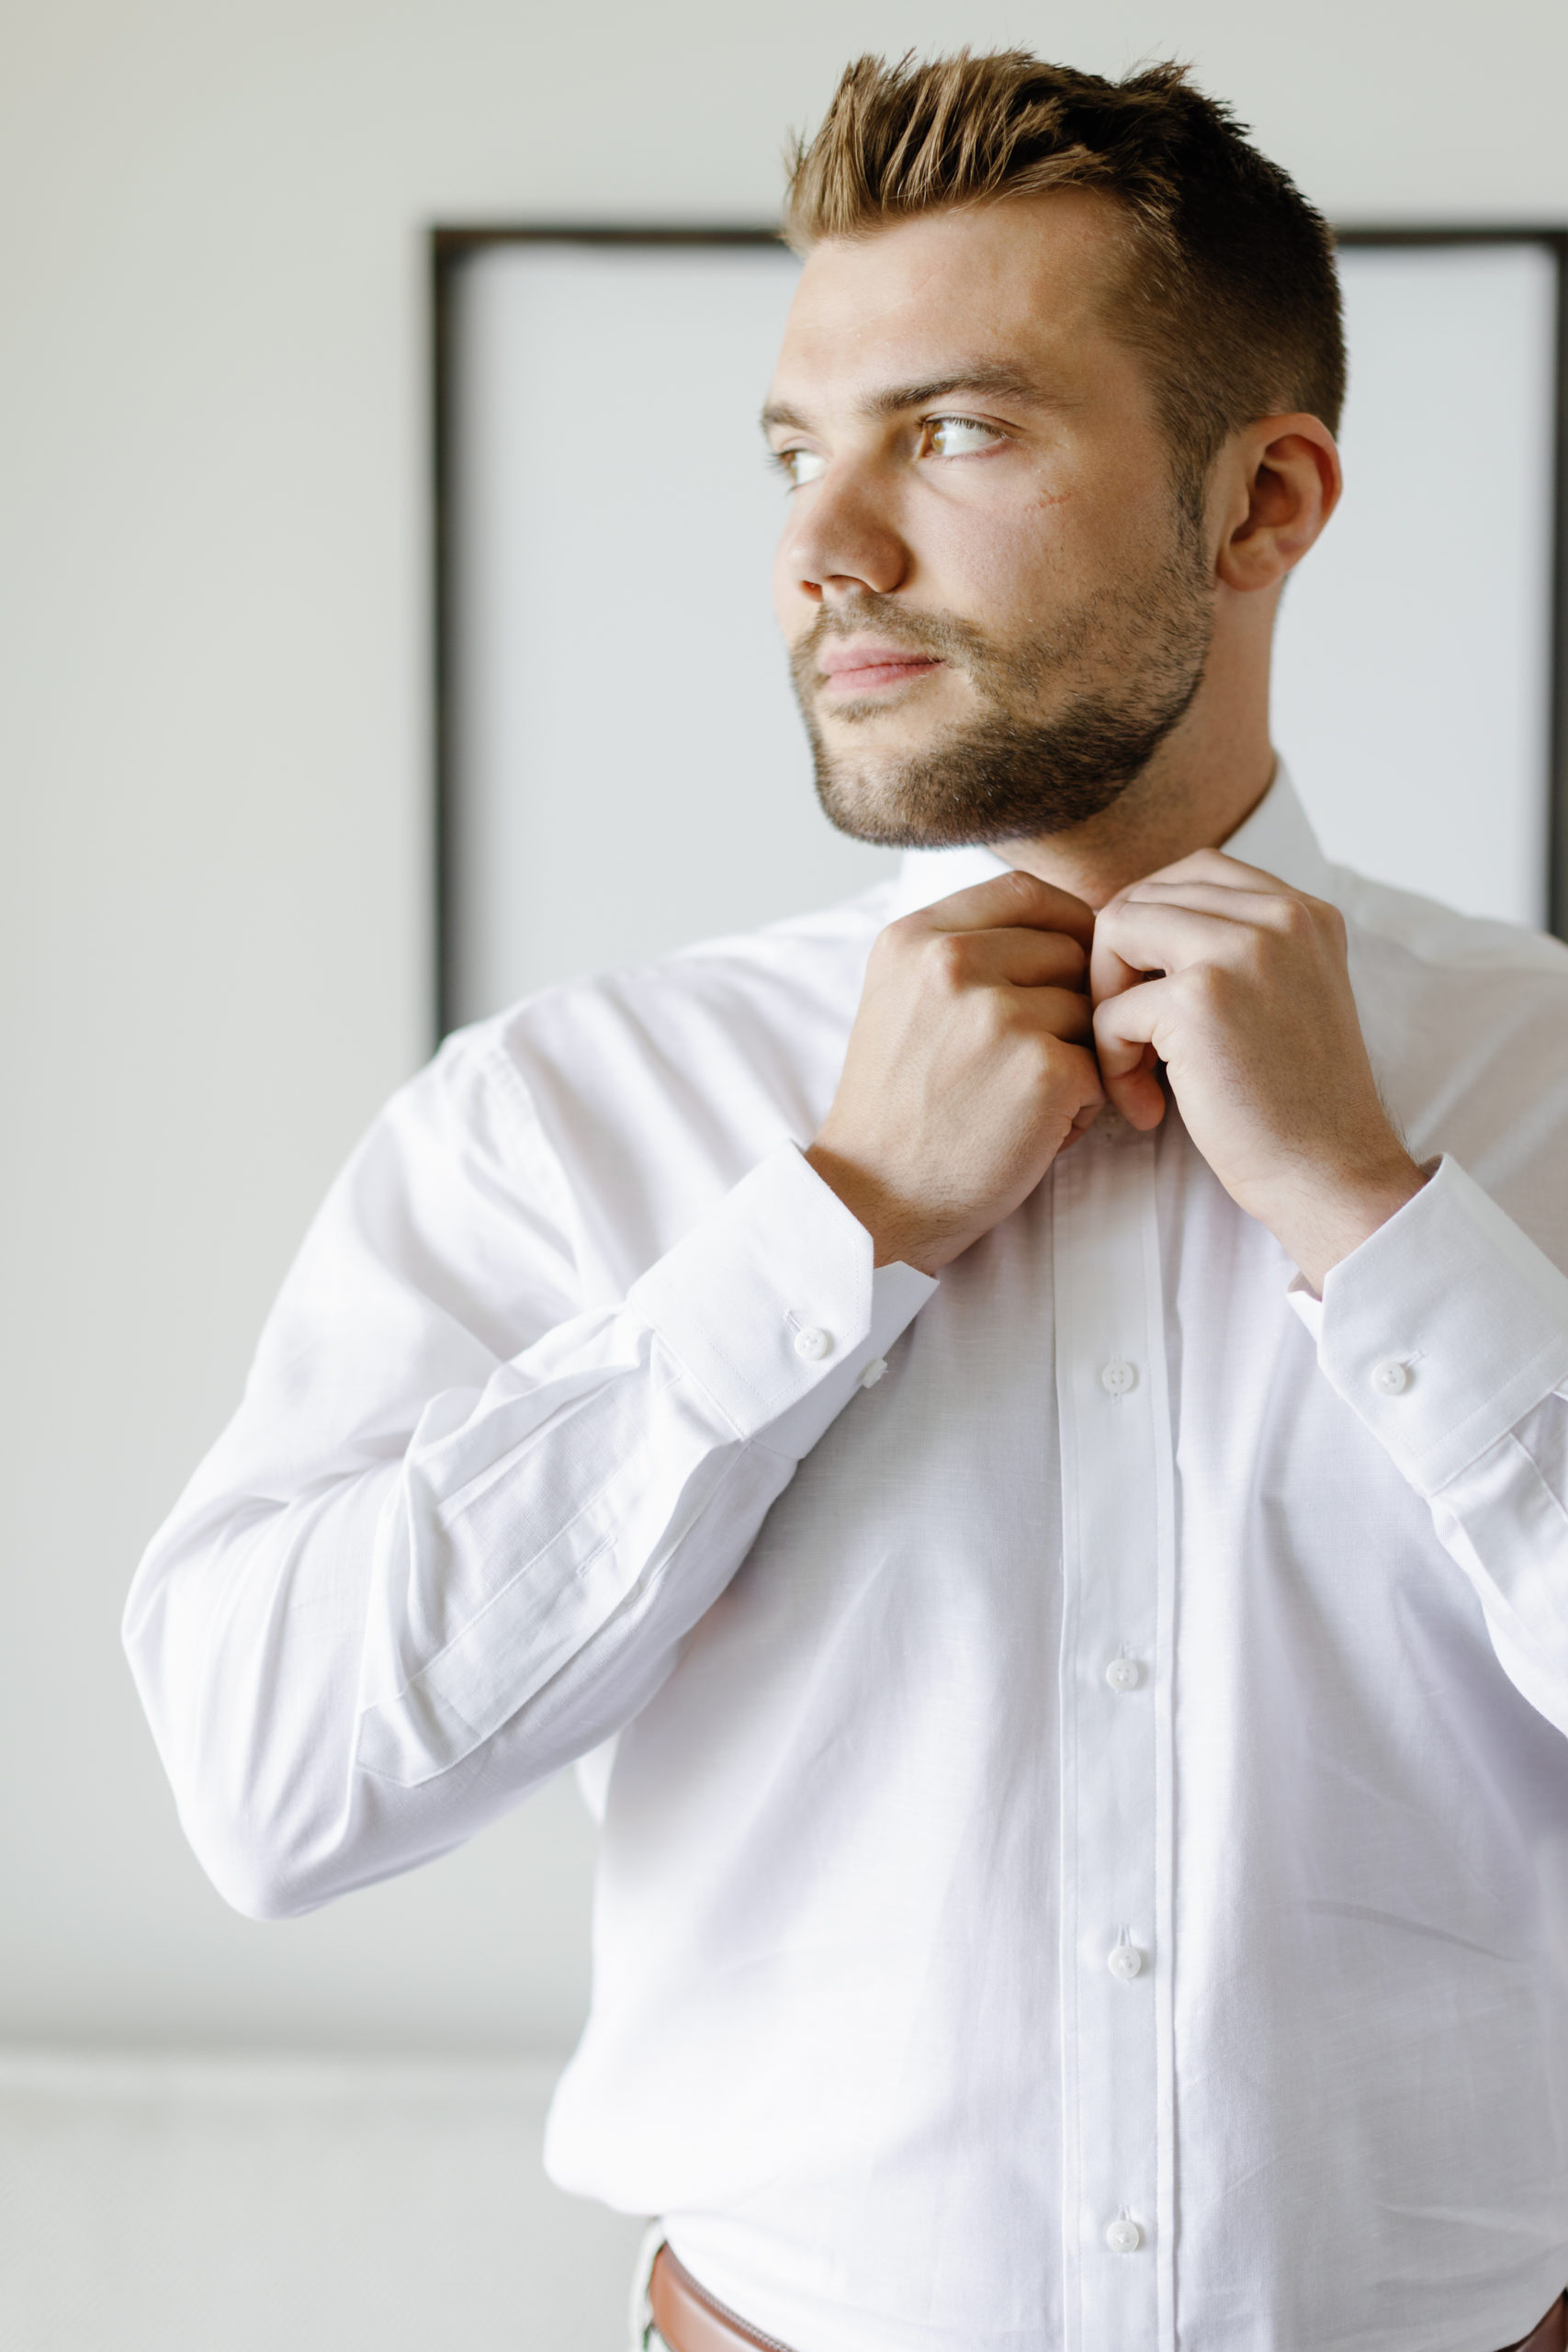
point(1392, 1378)
point(814, 1344)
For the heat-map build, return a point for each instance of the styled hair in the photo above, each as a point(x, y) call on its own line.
point(1229, 288)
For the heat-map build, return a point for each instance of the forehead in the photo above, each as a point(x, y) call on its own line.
point(1021, 282)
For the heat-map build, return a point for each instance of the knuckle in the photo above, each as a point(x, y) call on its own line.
point(1056, 1060)
point(1209, 988)
point(951, 957)
point(894, 942)
point(999, 1017)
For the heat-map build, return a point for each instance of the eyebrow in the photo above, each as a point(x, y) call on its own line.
point(1005, 383)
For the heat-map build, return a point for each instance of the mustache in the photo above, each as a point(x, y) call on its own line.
point(937, 634)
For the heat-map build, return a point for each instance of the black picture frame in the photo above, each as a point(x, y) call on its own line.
point(451, 246)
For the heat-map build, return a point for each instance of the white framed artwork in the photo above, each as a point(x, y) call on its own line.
point(622, 768)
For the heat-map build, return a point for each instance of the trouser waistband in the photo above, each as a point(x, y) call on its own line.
point(683, 2317)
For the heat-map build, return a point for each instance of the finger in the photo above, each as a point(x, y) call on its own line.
point(1214, 865)
point(1008, 899)
point(1023, 959)
point(1109, 972)
point(1077, 1063)
point(1265, 909)
point(1126, 1032)
point(1136, 938)
point(1083, 1121)
point(1062, 1012)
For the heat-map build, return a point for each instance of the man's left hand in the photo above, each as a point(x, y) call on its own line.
point(1240, 987)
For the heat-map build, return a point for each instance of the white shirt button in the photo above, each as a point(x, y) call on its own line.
point(1123, 2236)
point(1117, 1378)
point(1123, 1674)
point(1125, 1962)
point(1392, 1378)
point(813, 1343)
point(873, 1372)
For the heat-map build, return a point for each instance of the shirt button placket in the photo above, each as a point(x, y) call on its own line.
point(1110, 1402)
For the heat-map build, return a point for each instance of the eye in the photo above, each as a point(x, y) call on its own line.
point(800, 466)
point(957, 437)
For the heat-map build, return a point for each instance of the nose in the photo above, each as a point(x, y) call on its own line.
point(842, 539)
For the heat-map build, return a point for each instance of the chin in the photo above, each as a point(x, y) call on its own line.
point(870, 809)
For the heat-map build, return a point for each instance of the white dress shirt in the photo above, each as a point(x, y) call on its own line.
point(1080, 1743)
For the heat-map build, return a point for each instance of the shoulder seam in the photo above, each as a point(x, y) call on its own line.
point(1507, 948)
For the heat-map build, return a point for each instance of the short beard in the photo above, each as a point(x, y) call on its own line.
point(1011, 774)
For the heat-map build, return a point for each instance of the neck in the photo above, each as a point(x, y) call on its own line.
point(1206, 777)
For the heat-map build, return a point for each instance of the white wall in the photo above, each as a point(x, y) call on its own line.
point(213, 742)
point(283, 2204)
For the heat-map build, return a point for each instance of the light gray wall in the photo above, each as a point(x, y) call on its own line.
point(164, 2202)
point(213, 742)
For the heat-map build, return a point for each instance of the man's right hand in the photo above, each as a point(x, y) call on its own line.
point(969, 1067)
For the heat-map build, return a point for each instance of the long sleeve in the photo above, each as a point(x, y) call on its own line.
point(458, 1529)
point(1447, 1333)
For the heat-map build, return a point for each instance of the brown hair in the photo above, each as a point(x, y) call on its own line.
point(1232, 291)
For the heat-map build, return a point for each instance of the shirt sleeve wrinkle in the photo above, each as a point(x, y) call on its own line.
point(1446, 1334)
point(409, 1550)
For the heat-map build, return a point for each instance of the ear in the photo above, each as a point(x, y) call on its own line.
point(1281, 483)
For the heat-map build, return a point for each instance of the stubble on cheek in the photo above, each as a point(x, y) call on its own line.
point(1052, 726)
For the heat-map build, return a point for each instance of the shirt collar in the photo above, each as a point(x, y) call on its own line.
point(1276, 837)
point(1279, 840)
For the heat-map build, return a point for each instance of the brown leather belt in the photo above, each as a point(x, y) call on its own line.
point(691, 2321)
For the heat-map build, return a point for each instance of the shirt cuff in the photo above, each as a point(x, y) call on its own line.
point(773, 1305)
point(1442, 1329)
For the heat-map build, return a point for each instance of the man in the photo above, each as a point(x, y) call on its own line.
point(1060, 1585)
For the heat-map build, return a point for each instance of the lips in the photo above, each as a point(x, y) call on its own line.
point(863, 665)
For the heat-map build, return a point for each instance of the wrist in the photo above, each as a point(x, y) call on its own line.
point(1323, 1221)
point(900, 1236)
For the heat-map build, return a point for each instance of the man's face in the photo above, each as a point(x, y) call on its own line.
point(996, 605)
